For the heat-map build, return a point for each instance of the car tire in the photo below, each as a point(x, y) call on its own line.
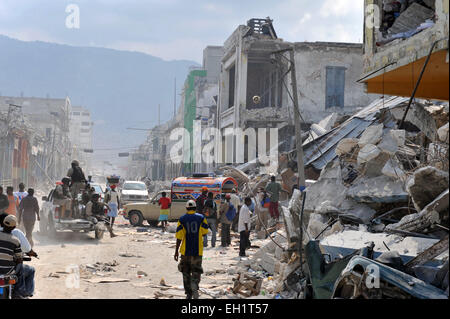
point(153, 223)
point(135, 218)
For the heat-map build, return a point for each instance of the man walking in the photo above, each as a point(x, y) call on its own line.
point(28, 211)
point(190, 231)
point(262, 208)
point(4, 202)
point(21, 194)
point(211, 218)
point(274, 189)
point(13, 201)
point(244, 227)
point(200, 202)
point(227, 213)
point(236, 201)
point(113, 201)
point(164, 204)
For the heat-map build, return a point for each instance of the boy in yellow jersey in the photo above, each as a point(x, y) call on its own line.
point(190, 231)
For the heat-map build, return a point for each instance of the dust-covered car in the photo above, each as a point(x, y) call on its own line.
point(149, 210)
point(133, 191)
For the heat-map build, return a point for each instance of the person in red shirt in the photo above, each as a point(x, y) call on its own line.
point(164, 203)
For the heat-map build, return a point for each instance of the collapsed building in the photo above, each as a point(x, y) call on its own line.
point(255, 84)
point(380, 202)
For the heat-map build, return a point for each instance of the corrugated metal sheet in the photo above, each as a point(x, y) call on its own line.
point(322, 150)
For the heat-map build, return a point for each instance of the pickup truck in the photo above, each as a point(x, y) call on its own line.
point(51, 222)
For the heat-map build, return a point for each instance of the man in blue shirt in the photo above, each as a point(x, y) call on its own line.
point(190, 231)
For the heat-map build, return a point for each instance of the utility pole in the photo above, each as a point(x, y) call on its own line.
point(298, 131)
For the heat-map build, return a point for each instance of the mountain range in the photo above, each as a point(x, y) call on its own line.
point(122, 89)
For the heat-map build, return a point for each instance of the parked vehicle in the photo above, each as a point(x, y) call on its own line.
point(183, 189)
point(133, 191)
point(51, 221)
point(8, 280)
point(149, 210)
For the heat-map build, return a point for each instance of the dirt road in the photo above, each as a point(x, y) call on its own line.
point(73, 264)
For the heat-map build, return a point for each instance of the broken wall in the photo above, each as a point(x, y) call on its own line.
point(312, 60)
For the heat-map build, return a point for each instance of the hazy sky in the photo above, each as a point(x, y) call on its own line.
point(177, 29)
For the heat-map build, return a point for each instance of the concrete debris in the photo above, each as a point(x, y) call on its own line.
point(443, 133)
point(429, 216)
point(346, 145)
point(426, 184)
point(368, 153)
point(411, 18)
point(381, 189)
point(393, 169)
point(372, 135)
point(379, 193)
point(247, 285)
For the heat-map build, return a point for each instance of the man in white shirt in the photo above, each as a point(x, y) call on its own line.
point(24, 243)
point(236, 201)
point(244, 226)
point(21, 194)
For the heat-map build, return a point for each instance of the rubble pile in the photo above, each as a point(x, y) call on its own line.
point(381, 199)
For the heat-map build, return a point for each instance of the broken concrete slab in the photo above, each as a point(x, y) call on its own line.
point(360, 211)
point(329, 188)
point(426, 218)
point(419, 117)
point(381, 189)
point(393, 169)
point(375, 166)
point(372, 135)
point(443, 133)
point(357, 239)
point(346, 145)
point(426, 184)
point(388, 144)
point(399, 136)
point(411, 18)
point(367, 153)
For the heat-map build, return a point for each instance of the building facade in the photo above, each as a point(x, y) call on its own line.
point(255, 86)
point(81, 135)
point(36, 146)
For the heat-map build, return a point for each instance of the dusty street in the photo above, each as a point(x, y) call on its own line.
point(139, 258)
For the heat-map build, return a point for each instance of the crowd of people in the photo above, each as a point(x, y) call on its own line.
point(20, 210)
point(203, 216)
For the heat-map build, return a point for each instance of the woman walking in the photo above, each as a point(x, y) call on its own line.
point(113, 201)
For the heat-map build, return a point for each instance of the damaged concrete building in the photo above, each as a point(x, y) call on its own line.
point(399, 36)
point(255, 84)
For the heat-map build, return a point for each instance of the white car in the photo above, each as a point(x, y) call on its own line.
point(133, 191)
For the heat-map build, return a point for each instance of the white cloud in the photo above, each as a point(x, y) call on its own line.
point(340, 8)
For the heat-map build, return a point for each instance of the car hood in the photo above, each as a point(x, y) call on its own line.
point(133, 192)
